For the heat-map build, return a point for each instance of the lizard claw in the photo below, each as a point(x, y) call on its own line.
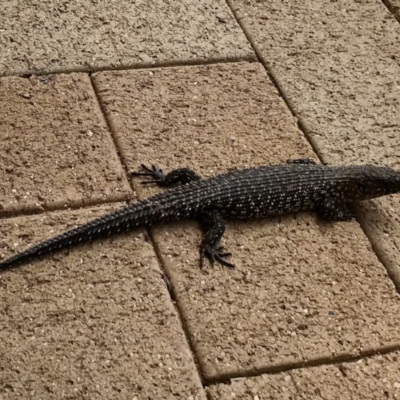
point(214, 254)
point(156, 174)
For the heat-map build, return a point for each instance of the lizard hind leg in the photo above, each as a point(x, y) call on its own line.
point(208, 248)
point(156, 175)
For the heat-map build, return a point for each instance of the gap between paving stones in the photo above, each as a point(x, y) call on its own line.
point(137, 66)
point(317, 362)
point(392, 9)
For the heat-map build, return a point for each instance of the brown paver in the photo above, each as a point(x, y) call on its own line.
point(56, 149)
point(93, 323)
point(337, 63)
point(374, 378)
point(302, 289)
point(51, 36)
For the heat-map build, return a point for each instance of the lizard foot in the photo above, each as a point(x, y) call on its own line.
point(214, 254)
point(156, 174)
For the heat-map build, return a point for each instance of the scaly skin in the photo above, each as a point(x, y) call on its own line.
point(298, 185)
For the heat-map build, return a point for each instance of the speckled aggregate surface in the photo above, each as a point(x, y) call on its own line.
point(368, 379)
point(309, 308)
point(54, 35)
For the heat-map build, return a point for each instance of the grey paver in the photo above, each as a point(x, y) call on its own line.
point(51, 36)
point(337, 63)
point(368, 379)
point(302, 289)
point(56, 149)
point(93, 323)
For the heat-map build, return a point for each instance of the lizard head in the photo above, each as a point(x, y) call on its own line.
point(374, 181)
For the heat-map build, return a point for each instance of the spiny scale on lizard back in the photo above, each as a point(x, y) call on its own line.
point(278, 189)
point(262, 191)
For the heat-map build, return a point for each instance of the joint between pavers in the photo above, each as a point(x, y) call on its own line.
point(136, 66)
point(178, 308)
point(392, 9)
point(292, 366)
point(62, 206)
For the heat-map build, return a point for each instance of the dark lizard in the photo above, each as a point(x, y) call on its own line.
point(298, 185)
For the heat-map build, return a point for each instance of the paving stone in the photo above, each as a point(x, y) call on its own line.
point(54, 35)
point(56, 149)
point(368, 379)
point(303, 289)
point(95, 322)
point(337, 63)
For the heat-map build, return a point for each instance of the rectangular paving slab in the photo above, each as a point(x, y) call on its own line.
point(337, 64)
point(303, 290)
point(54, 36)
point(93, 323)
point(56, 149)
point(375, 378)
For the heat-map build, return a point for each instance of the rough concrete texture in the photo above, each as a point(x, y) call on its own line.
point(264, 387)
point(93, 323)
point(337, 63)
point(394, 7)
point(374, 378)
point(54, 35)
point(302, 289)
point(56, 149)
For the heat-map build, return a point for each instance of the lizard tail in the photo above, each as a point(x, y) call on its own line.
point(133, 216)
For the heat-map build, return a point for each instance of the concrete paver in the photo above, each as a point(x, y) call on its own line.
point(337, 63)
point(302, 289)
point(93, 323)
point(56, 149)
point(374, 378)
point(54, 35)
